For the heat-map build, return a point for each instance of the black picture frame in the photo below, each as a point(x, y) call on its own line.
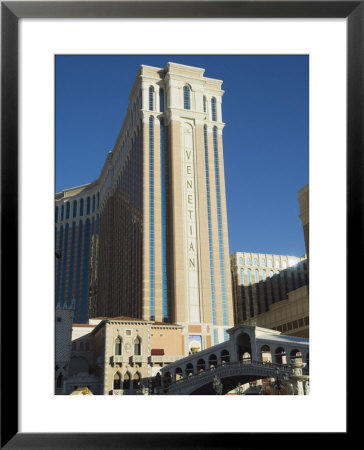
point(11, 12)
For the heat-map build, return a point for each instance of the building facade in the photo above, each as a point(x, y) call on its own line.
point(120, 355)
point(272, 291)
point(148, 239)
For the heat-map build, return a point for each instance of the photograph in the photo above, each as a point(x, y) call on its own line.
point(181, 224)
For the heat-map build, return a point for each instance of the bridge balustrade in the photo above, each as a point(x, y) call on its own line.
point(283, 369)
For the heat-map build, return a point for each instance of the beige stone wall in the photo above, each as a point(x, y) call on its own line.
point(289, 316)
point(171, 340)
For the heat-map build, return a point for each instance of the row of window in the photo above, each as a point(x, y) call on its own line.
point(77, 206)
point(293, 325)
point(126, 382)
point(277, 264)
point(118, 346)
point(186, 101)
point(256, 275)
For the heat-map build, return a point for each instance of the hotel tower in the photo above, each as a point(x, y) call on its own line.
point(148, 239)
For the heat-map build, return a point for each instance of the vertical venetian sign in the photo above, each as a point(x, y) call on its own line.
point(191, 230)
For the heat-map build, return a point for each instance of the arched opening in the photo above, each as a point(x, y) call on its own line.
point(296, 355)
point(213, 109)
point(137, 346)
point(117, 381)
point(266, 354)
point(178, 374)
point(59, 383)
point(212, 361)
point(225, 357)
point(126, 384)
point(200, 365)
point(118, 348)
point(189, 369)
point(167, 380)
point(280, 356)
point(243, 345)
point(186, 97)
point(246, 358)
point(136, 381)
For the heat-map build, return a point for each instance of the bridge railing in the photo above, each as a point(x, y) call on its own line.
point(283, 369)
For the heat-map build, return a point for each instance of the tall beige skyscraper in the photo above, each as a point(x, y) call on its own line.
point(156, 246)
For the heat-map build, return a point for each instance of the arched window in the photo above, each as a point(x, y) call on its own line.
point(161, 100)
point(118, 347)
point(88, 205)
point(264, 275)
point(74, 208)
point(255, 262)
point(262, 262)
point(241, 261)
point(249, 276)
point(151, 98)
point(213, 108)
point(117, 381)
point(186, 97)
point(189, 369)
point(200, 365)
point(178, 374)
point(204, 103)
point(56, 214)
point(62, 213)
point(81, 207)
point(136, 380)
point(137, 347)
point(241, 274)
point(225, 356)
point(256, 273)
point(269, 263)
point(93, 203)
point(126, 384)
point(67, 210)
point(247, 261)
point(212, 361)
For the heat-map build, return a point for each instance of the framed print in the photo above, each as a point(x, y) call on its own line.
point(34, 35)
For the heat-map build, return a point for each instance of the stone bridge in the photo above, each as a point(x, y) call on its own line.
point(251, 353)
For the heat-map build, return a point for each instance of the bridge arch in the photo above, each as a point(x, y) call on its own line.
point(280, 355)
point(189, 370)
point(213, 360)
point(296, 354)
point(201, 366)
point(266, 353)
point(178, 374)
point(244, 346)
point(225, 356)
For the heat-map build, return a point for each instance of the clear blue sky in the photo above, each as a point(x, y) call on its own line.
point(265, 108)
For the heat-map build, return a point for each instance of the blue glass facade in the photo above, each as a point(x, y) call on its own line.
point(164, 225)
point(220, 229)
point(212, 278)
point(151, 219)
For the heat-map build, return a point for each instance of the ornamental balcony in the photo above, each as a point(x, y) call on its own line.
point(163, 359)
point(136, 359)
point(118, 359)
